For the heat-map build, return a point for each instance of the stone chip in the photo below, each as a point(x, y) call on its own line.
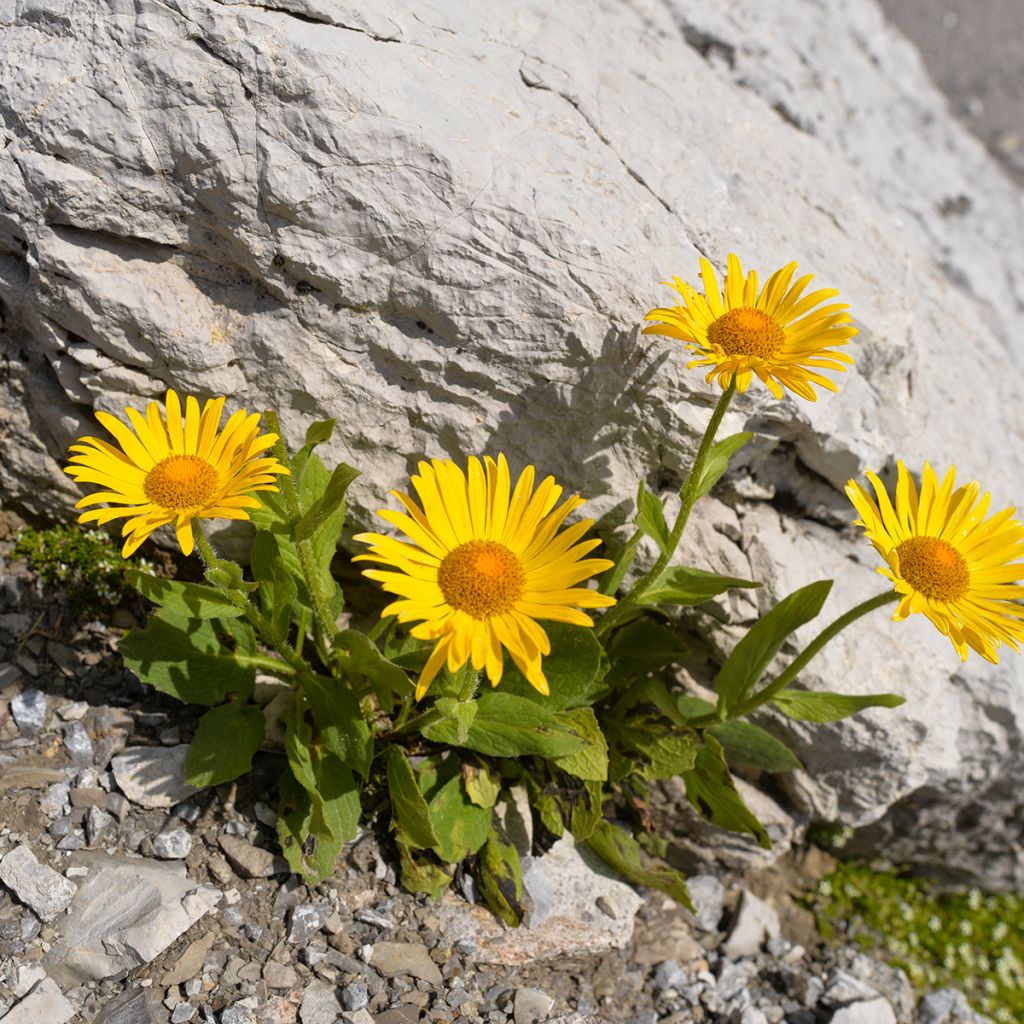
point(37, 885)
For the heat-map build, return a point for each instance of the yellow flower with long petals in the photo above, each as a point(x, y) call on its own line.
point(173, 468)
point(483, 562)
point(778, 334)
point(946, 559)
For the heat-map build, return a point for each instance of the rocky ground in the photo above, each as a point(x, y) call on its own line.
point(127, 898)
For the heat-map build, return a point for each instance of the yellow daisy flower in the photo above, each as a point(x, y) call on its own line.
point(173, 468)
point(483, 562)
point(946, 559)
point(778, 333)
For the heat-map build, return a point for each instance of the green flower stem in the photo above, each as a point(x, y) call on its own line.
point(321, 604)
point(687, 499)
point(414, 724)
point(275, 665)
point(206, 553)
point(472, 681)
point(254, 616)
point(800, 662)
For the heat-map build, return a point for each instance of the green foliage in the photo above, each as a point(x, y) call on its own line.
point(437, 773)
point(752, 655)
point(969, 940)
point(224, 744)
point(711, 790)
point(814, 706)
point(683, 585)
point(718, 462)
point(500, 876)
point(86, 565)
point(195, 660)
point(650, 518)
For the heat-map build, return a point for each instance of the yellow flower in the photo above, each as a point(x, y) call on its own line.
point(776, 334)
point(483, 562)
point(173, 469)
point(946, 559)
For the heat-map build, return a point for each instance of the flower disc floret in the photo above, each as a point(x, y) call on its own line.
point(174, 467)
point(483, 562)
point(946, 560)
point(180, 482)
point(934, 568)
point(481, 578)
point(778, 333)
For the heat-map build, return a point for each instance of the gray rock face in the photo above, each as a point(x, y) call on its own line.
point(126, 913)
point(36, 885)
point(45, 1002)
point(452, 223)
point(153, 776)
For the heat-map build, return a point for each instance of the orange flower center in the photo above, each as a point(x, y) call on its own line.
point(747, 332)
point(934, 568)
point(481, 578)
point(180, 482)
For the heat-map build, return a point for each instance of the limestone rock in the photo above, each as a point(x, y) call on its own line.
point(45, 1002)
point(126, 913)
point(37, 885)
point(453, 223)
point(756, 921)
point(578, 905)
point(153, 776)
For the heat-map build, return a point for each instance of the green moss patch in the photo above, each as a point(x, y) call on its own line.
point(970, 941)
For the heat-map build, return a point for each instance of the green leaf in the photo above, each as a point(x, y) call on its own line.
point(188, 659)
point(546, 804)
point(355, 652)
point(278, 589)
point(421, 874)
point(690, 706)
point(461, 712)
point(227, 574)
point(328, 504)
point(338, 720)
point(582, 808)
point(576, 669)
point(333, 793)
point(680, 584)
point(750, 744)
point(272, 515)
point(815, 706)
point(619, 849)
point(752, 655)
point(310, 852)
point(226, 739)
point(653, 751)
point(500, 876)
point(592, 761)
point(507, 725)
point(460, 826)
point(318, 433)
point(650, 518)
point(408, 808)
point(709, 787)
point(481, 787)
point(612, 579)
point(717, 462)
point(191, 600)
point(644, 646)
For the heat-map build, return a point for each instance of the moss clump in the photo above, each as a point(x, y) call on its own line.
point(84, 564)
point(968, 941)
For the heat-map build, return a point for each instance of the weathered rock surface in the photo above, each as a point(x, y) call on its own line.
point(443, 228)
point(125, 913)
point(577, 907)
point(153, 776)
point(37, 885)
